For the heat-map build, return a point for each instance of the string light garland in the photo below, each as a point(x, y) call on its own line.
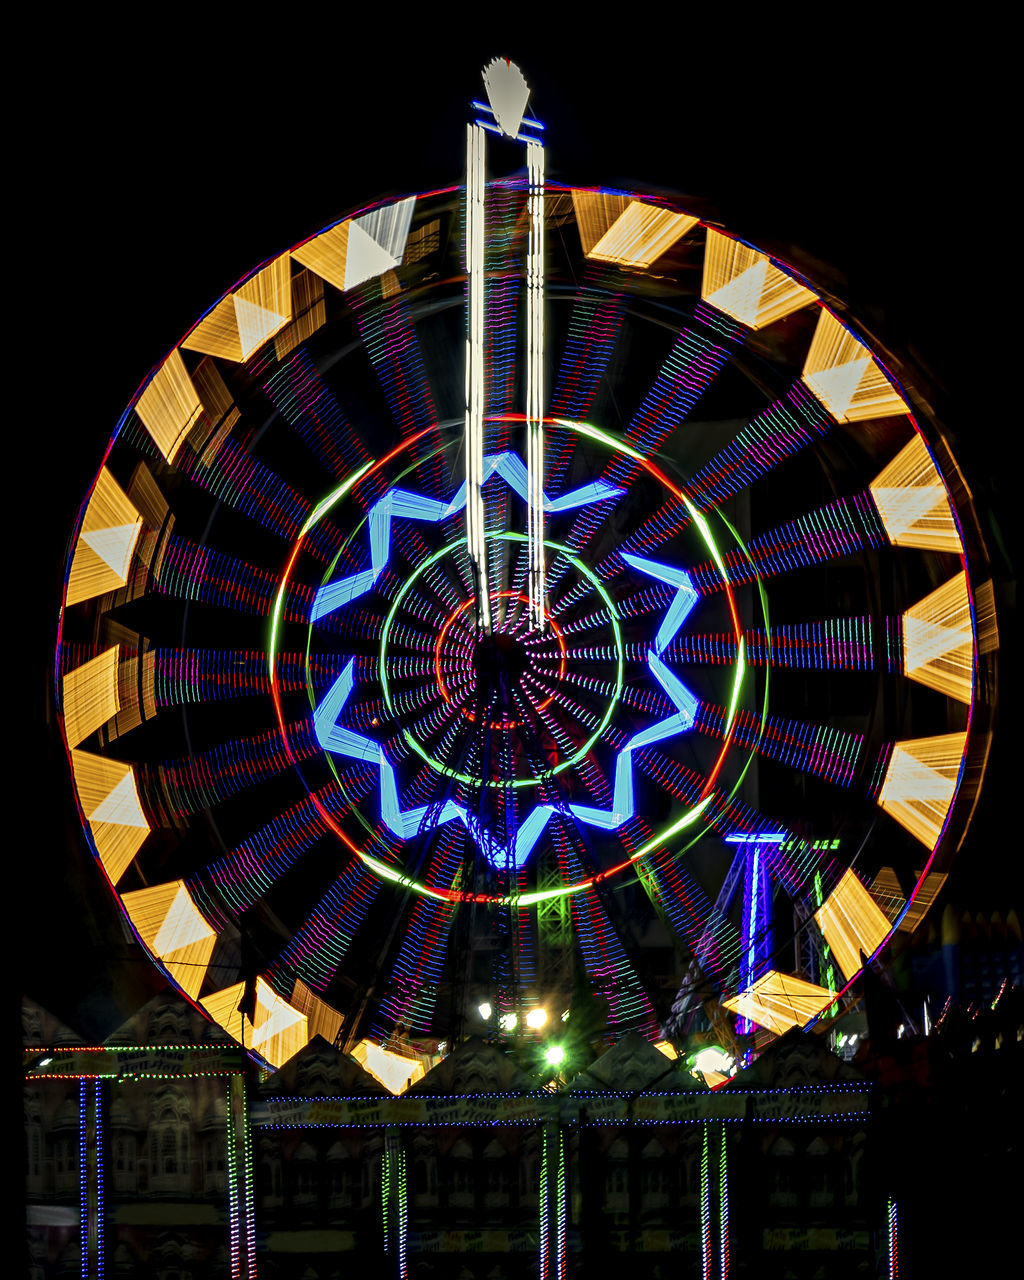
point(892, 1239)
point(83, 1180)
point(705, 1207)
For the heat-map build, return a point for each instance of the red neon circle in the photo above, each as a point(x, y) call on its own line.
point(501, 595)
point(462, 895)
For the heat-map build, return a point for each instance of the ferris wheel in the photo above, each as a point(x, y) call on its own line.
point(516, 594)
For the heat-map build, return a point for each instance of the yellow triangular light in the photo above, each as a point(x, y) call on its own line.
point(913, 503)
point(780, 1001)
point(91, 696)
point(280, 1030)
point(110, 530)
point(174, 930)
point(169, 407)
point(744, 284)
point(845, 377)
point(938, 640)
point(851, 921)
point(111, 804)
point(920, 782)
point(325, 254)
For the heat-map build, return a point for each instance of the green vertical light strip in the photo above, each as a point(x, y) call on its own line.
point(248, 1207)
point(394, 1200)
point(830, 977)
point(544, 1256)
point(385, 1194)
point(561, 1210)
point(235, 1259)
point(403, 1216)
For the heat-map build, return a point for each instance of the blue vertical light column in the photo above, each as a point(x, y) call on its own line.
point(83, 1176)
point(757, 934)
point(97, 1121)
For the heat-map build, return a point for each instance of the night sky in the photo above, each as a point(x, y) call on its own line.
point(154, 181)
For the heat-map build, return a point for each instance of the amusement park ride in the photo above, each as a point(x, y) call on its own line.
point(521, 606)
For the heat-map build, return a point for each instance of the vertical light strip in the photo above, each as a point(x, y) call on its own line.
point(394, 1201)
point(385, 1194)
point(561, 1209)
point(535, 383)
point(544, 1227)
point(236, 1264)
point(403, 1215)
point(749, 962)
point(83, 1177)
point(705, 1207)
point(723, 1209)
point(830, 975)
point(894, 1249)
point(97, 1119)
point(248, 1208)
point(475, 368)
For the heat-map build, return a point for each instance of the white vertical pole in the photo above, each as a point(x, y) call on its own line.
point(476, 540)
point(535, 384)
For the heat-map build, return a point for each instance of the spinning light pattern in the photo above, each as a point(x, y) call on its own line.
point(284, 723)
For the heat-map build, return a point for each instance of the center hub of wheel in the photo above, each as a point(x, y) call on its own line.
point(499, 661)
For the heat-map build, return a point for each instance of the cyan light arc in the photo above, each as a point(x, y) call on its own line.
point(415, 506)
point(514, 854)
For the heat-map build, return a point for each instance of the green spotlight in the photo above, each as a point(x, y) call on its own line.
point(554, 1055)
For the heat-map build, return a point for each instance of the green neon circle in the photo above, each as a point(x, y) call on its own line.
point(616, 445)
point(565, 764)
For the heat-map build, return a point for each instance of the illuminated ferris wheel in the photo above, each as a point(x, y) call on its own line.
point(518, 594)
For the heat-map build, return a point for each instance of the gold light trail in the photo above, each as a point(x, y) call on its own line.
point(310, 313)
point(845, 377)
point(169, 407)
point(913, 503)
point(174, 930)
point(110, 800)
point(395, 1072)
point(321, 1019)
point(851, 921)
point(103, 553)
point(920, 783)
point(91, 696)
point(325, 254)
point(626, 232)
point(278, 1032)
point(243, 321)
point(938, 640)
point(360, 248)
point(886, 892)
point(744, 284)
point(780, 1001)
